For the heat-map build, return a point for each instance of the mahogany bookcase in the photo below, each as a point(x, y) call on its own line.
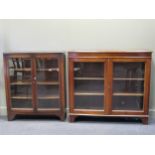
point(34, 84)
point(109, 84)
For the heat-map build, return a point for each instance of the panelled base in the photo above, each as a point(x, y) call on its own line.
point(144, 118)
point(12, 116)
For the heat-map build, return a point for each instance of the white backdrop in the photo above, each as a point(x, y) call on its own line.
point(66, 35)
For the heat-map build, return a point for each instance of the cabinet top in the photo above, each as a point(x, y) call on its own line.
point(21, 52)
point(111, 54)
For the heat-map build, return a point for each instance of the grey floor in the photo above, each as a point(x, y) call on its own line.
point(83, 126)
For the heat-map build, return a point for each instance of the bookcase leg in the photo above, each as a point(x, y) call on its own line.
point(62, 117)
point(145, 120)
point(72, 118)
point(11, 117)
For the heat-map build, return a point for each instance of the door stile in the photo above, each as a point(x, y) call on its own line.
point(147, 86)
point(109, 86)
point(105, 90)
point(61, 83)
point(71, 85)
point(34, 85)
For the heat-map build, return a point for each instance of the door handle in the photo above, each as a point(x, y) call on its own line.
point(76, 68)
point(108, 86)
point(53, 69)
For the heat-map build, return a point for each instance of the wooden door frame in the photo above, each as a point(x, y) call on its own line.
point(60, 60)
point(72, 110)
point(146, 86)
point(11, 110)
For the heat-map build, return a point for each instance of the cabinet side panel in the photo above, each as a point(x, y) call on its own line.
point(62, 83)
point(7, 89)
point(71, 86)
point(147, 85)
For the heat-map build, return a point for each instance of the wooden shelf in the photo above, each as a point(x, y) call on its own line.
point(22, 69)
point(39, 83)
point(128, 94)
point(21, 108)
point(21, 83)
point(48, 109)
point(48, 97)
point(89, 78)
point(130, 79)
point(88, 94)
point(48, 69)
point(48, 83)
point(21, 97)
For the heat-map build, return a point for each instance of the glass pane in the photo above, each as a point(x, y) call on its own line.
point(47, 83)
point(21, 103)
point(20, 82)
point(89, 102)
point(43, 63)
point(128, 86)
point(129, 69)
point(47, 70)
point(89, 85)
point(131, 86)
point(127, 103)
point(89, 69)
point(47, 90)
point(48, 104)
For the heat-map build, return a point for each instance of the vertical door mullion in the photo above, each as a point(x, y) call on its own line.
point(105, 90)
point(108, 86)
point(61, 82)
point(34, 85)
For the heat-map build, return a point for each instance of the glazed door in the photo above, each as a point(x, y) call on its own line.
point(47, 82)
point(87, 83)
point(19, 69)
point(130, 77)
